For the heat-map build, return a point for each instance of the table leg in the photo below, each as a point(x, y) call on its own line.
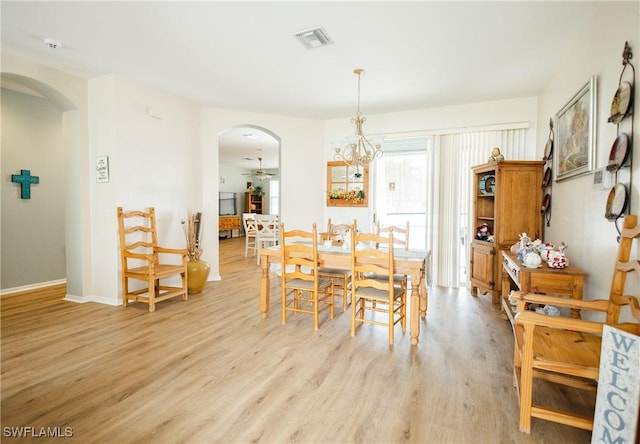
point(424, 295)
point(414, 314)
point(265, 286)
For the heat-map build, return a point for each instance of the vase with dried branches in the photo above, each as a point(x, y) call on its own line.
point(197, 269)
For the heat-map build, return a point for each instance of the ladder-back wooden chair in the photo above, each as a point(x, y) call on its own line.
point(140, 255)
point(303, 290)
point(267, 231)
point(250, 232)
point(371, 256)
point(565, 350)
point(400, 233)
point(400, 239)
point(340, 278)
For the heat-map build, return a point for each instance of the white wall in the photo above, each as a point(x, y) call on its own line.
point(154, 162)
point(577, 209)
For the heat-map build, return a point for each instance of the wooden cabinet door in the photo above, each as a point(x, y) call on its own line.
point(518, 202)
point(482, 265)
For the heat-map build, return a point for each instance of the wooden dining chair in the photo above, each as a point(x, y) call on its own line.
point(566, 350)
point(267, 231)
point(400, 233)
point(400, 239)
point(337, 232)
point(339, 277)
point(373, 255)
point(140, 257)
point(303, 290)
point(250, 232)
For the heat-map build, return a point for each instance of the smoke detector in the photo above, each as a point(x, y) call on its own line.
point(313, 38)
point(53, 44)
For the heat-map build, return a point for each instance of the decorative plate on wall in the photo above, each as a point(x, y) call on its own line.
point(546, 204)
point(616, 202)
point(619, 152)
point(548, 150)
point(547, 177)
point(621, 102)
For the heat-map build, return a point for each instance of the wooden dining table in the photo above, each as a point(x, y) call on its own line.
point(412, 263)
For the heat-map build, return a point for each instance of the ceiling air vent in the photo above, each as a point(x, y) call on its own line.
point(313, 38)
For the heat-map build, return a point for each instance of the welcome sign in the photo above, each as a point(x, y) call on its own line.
point(616, 414)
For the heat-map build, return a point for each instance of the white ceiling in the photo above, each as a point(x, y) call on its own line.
point(242, 55)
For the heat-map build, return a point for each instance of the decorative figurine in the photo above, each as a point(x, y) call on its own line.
point(496, 156)
point(483, 232)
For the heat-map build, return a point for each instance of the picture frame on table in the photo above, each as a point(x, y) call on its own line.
point(575, 133)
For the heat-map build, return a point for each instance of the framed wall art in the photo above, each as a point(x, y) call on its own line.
point(575, 133)
point(102, 169)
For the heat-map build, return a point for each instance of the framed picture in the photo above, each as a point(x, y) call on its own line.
point(575, 134)
point(102, 169)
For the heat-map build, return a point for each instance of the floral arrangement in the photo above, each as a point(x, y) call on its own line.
point(353, 195)
point(192, 228)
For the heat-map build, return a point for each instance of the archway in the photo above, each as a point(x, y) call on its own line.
point(242, 149)
point(72, 204)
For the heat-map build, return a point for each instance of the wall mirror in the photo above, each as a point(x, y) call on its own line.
point(347, 185)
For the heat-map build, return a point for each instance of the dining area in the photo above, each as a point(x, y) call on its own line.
point(322, 272)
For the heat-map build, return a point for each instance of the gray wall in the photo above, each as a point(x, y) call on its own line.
point(33, 239)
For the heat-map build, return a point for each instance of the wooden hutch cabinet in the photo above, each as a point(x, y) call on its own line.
point(507, 197)
point(253, 203)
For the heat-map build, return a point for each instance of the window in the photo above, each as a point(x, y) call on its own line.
point(274, 196)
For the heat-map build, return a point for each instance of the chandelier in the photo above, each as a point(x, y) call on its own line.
point(357, 149)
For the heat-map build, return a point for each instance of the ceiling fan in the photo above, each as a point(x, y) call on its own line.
point(260, 173)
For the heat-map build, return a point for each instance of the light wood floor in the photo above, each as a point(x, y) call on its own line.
point(212, 370)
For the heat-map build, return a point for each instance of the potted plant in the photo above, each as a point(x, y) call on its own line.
point(259, 191)
point(197, 269)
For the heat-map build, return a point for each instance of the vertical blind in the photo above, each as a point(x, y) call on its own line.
point(454, 155)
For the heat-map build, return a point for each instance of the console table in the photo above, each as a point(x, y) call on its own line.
point(566, 281)
point(229, 223)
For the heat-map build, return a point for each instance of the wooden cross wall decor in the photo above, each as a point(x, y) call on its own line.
point(25, 179)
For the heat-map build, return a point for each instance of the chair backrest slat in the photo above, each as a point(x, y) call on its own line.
point(300, 250)
point(624, 266)
point(401, 233)
point(369, 247)
point(137, 231)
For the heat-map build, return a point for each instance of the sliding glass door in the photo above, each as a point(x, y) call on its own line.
point(402, 189)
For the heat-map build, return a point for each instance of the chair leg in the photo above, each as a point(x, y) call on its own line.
point(344, 293)
point(353, 313)
point(403, 312)
point(284, 305)
point(332, 299)
point(152, 295)
point(526, 381)
point(316, 315)
point(125, 291)
point(392, 325)
point(185, 296)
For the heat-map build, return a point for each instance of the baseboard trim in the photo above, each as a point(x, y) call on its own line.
point(30, 287)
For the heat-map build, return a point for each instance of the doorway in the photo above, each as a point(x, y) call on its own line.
point(249, 155)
